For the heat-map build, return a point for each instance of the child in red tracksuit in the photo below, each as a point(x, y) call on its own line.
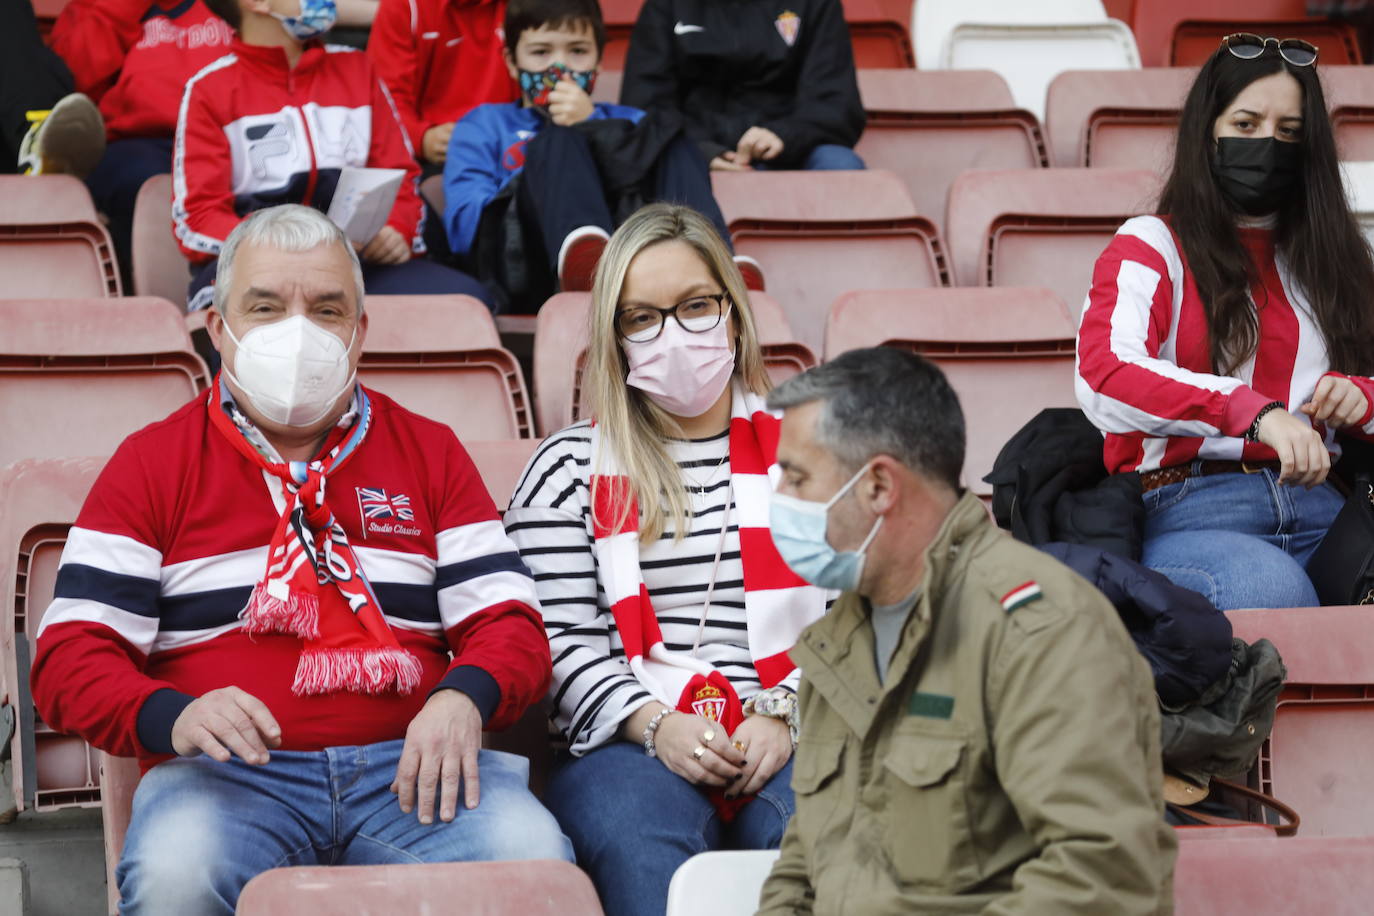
point(276, 121)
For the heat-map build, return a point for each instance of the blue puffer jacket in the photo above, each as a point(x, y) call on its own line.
point(1186, 640)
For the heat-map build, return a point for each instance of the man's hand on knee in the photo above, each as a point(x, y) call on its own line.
point(440, 752)
point(226, 722)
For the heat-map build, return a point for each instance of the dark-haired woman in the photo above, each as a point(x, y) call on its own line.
point(1227, 340)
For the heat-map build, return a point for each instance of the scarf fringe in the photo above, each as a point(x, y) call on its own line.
point(298, 615)
point(356, 670)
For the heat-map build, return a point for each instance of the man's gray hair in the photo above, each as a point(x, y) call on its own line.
point(883, 401)
point(288, 227)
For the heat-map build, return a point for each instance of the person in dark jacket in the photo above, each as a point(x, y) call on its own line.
point(761, 83)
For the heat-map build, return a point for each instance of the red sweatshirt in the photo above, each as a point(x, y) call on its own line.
point(174, 535)
point(134, 57)
point(255, 132)
point(440, 58)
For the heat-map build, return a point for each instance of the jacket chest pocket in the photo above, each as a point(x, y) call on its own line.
point(925, 817)
point(817, 784)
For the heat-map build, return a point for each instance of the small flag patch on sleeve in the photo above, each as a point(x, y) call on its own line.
point(1021, 596)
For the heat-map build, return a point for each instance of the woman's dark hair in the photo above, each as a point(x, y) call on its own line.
point(228, 10)
point(554, 14)
point(1326, 253)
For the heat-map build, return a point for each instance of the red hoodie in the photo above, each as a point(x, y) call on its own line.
point(134, 57)
point(440, 58)
point(255, 132)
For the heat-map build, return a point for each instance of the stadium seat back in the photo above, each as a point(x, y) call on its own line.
point(1224, 876)
point(1359, 189)
point(1196, 40)
point(159, 268)
point(1041, 227)
point(521, 888)
point(79, 375)
point(1154, 22)
point(1000, 321)
point(52, 244)
point(501, 464)
point(441, 357)
point(723, 883)
point(818, 234)
point(927, 126)
point(1116, 118)
point(1319, 755)
point(1350, 98)
point(39, 501)
point(934, 21)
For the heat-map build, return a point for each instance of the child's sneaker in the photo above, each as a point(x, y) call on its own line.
point(578, 257)
point(752, 272)
point(69, 139)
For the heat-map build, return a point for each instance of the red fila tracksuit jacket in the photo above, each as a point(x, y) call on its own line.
point(254, 132)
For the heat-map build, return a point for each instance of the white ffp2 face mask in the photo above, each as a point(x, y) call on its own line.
point(292, 370)
point(682, 372)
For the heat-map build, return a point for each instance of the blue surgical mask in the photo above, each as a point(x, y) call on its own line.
point(799, 527)
point(316, 18)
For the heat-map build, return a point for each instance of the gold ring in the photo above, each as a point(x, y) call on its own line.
point(708, 736)
point(739, 746)
point(699, 752)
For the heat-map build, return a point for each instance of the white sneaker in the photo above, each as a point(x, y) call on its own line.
point(69, 139)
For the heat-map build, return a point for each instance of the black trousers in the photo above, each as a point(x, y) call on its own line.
point(32, 77)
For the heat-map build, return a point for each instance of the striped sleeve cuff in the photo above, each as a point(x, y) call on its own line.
point(479, 686)
point(1242, 406)
point(156, 717)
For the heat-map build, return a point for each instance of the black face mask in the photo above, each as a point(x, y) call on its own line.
point(1256, 174)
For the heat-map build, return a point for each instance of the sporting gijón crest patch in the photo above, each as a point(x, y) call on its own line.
point(385, 513)
point(788, 25)
point(709, 703)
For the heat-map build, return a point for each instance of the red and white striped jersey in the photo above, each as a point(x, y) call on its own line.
point(1145, 376)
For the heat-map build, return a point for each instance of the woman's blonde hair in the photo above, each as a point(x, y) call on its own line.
point(629, 421)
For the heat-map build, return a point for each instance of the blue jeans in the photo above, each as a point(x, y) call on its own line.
point(633, 822)
point(828, 157)
point(202, 829)
point(1242, 540)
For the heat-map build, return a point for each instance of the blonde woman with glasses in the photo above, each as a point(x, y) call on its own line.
point(668, 610)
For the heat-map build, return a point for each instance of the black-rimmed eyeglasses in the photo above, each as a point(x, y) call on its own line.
point(699, 314)
point(1248, 46)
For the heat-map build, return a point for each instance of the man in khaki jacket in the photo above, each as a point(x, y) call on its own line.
point(979, 734)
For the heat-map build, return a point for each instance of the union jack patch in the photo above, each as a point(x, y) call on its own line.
point(376, 503)
point(1021, 596)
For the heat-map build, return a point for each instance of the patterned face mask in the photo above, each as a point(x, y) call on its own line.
point(316, 18)
point(535, 85)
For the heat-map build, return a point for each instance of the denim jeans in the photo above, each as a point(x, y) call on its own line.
point(633, 821)
point(1242, 540)
point(828, 157)
point(201, 829)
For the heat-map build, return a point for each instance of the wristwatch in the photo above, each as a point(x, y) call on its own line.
point(776, 703)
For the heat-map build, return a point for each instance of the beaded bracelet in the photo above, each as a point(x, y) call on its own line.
point(652, 727)
point(1252, 434)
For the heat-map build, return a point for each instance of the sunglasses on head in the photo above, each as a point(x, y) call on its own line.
point(1248, 46)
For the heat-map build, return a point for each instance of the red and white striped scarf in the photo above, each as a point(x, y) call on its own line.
point(313, 586)
point(778, 604)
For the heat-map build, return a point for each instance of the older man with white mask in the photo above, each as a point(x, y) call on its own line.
point(291, 599)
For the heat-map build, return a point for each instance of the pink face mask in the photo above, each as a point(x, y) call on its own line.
point(682, 372)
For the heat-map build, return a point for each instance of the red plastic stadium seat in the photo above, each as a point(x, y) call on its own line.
point(46, 12)
point(560, 345)
point(818, 234)
point(1116, 118)
point(1333, 876)
point(1160, 24)
point(1041, 227)
point(929, 125)
point(78, 375)
point(1321, 751)
point(441, 357)
point(39, 500)
point(501, 463)
point(52, 244)
point(1350, 98)
point(159, 268)
point(1008, 353)
point(529, 888)
point(1197, 39)
point(119, 778)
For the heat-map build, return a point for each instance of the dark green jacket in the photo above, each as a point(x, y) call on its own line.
point(1010, 763)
